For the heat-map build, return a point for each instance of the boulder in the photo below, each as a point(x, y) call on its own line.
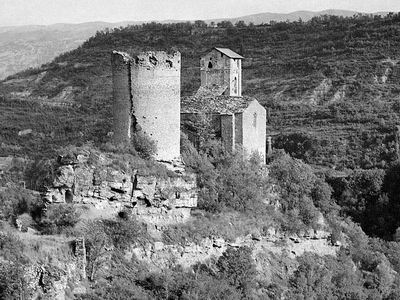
point(25, 132)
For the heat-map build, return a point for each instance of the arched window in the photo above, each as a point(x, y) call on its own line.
point(210, 65)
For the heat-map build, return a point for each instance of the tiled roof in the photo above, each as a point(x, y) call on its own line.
point(208, 91)
point(215, 104)
point(229, 53)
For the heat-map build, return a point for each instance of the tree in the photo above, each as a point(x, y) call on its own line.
point(96, 243)
point(225, 24)
point(237, 266)
point(240, 24)
point(200, 24)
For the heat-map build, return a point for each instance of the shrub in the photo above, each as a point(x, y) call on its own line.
point(225, 179)
point(241, 184)
point(144, 145)
point(321, 195)
point(101, 235)
point(16, 201)
point(300, 188)
point(140, 145)
point(12, 283)
point(237, 267)
point(40, 174)
point(298, 145)
point(58, 218)
point(189, 153)
point(124, 233)
point(295, 178)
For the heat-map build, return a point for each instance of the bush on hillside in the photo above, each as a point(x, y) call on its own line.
point(40, 174)
point(12, 281)
point(238, 268)
point(59, 218)
point(16, 201)
point(301, 189)
point(144, 145)
point(225, 179)
point(118, 235)
point(140, 145)
point(298, 145)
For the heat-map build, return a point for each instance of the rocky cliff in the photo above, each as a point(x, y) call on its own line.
point(270, 252)
point(97, 181)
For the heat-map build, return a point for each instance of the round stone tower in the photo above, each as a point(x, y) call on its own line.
point(146, 90)
point(156, 90)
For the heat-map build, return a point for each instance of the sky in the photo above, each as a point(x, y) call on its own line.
point(45, 12)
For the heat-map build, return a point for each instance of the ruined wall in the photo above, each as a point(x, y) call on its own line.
point(254, 129)
point(122, 106)
point(155, 79)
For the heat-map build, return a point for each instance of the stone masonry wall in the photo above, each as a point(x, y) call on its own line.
point(219, 73)
point(156, 87)
point(228, 131)
point(217, 69)
point(235, 79)
point(122, 106)
point(254, 129)
point(146, 91)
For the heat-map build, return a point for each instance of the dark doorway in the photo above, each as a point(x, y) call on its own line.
point(69, 197)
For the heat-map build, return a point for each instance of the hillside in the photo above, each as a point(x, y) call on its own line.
point(304, 15)
point(23, 47)
point(110, 222)
point(331, 85)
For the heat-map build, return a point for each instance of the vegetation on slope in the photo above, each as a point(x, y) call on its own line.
point(333, 80)
point(287, 61)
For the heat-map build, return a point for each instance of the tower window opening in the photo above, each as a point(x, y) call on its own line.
point(210, 65)
point(255, 120)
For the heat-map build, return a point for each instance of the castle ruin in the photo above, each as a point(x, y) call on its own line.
point(238, 121)
point(146, 92)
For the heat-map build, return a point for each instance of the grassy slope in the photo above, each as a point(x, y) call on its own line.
point(284, 64)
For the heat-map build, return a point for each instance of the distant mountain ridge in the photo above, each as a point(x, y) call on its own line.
point(304, 15)
point(29, 46)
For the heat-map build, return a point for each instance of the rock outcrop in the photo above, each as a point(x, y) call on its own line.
point(99, 182)
point(265, 250)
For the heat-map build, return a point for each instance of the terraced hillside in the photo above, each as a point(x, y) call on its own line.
point(331, 85)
